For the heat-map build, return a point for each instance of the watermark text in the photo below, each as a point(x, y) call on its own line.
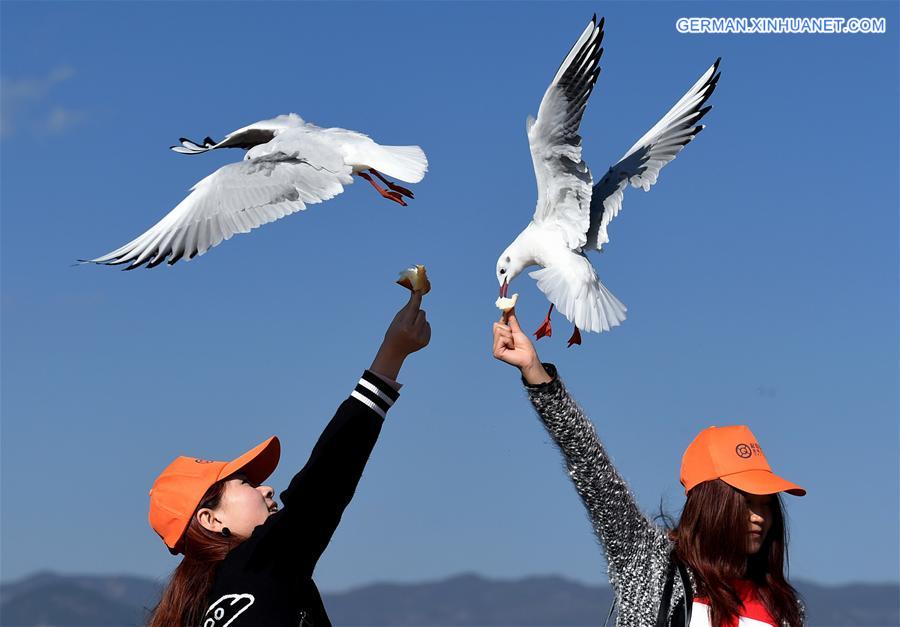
point(780, 25)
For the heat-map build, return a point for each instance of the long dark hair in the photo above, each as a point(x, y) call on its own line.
point(711, 538)
point(184, 598)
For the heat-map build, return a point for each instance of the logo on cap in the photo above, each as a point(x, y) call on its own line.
point(203, 461)
point(745, 451)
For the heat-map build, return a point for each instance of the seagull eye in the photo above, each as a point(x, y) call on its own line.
point(502, 270)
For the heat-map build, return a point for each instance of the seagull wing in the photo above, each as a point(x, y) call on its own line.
point(641, 164)
point(246, 137)
point(563, 179)
point(234, 199)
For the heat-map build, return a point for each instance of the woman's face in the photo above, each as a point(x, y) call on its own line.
point(759, 520)
point(242, 508)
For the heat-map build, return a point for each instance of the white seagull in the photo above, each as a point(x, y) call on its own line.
point(289, 164)
point(571, 218)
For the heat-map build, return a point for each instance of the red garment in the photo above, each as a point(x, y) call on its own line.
point(752, 614)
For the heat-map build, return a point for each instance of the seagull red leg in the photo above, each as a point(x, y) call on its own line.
point(545, 329)
point(576, 338)
point(390, 195)
point(392, 186)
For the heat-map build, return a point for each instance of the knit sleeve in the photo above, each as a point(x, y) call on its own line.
point(625, 534)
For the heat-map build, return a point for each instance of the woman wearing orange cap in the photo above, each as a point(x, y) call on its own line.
point(722, 565)
point(247, 562)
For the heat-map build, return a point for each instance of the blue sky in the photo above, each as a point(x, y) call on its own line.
point(761, 275)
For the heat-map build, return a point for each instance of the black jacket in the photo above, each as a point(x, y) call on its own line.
point(266, 581)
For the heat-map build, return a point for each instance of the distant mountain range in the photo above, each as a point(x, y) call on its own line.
point(50, 600)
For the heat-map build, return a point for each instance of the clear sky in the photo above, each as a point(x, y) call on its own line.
point(761, 275)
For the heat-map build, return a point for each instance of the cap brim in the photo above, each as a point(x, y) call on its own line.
point(258, 463)
point(762, 482)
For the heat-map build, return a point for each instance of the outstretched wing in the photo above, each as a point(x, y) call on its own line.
point(247, 137)
point(563, 179)
point(234, 199)
point(641, 164)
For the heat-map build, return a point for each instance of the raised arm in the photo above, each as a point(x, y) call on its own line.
point(318, 494)
point(622, 529)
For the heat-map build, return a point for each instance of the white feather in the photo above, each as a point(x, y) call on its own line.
point(235, 199)
point(641, 164)
point(575, 290)
point(563, 178)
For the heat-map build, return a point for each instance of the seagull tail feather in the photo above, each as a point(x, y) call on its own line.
point(407, 163)
point(589, 305)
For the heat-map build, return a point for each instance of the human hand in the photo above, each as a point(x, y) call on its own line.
point(513, 346)
point(408, 332)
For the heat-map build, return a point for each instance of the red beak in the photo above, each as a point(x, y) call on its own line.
point(504, 289)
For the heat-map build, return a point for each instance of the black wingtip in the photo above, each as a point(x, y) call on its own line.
point(156, 262)
point(703, 112)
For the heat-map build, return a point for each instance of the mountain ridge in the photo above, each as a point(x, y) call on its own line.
point(48, 599)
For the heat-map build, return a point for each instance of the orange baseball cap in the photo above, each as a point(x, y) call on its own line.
point(733, 455)
point(176, 493)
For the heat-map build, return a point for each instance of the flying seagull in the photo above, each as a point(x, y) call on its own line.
point(288, 165)
point(571, 216)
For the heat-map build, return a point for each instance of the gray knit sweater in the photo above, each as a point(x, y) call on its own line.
point(637, 550)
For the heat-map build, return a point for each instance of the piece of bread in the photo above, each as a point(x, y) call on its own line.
point(507, 303)
point(415, 278)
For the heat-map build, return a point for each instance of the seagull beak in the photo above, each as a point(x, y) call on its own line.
point(504, 288)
